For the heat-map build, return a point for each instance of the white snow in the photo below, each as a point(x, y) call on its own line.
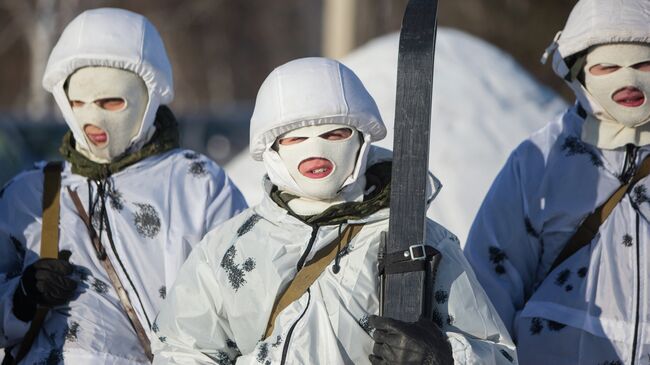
point(484, 105)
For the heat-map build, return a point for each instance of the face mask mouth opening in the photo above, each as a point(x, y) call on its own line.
point(316, 168)
point(629, 96)
point(96, 135)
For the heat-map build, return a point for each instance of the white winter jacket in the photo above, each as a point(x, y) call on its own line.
point(593, 308)
point(157, 209)
point(218, 309)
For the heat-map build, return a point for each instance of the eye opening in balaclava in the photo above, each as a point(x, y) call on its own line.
point(108, 132)
point(277, 142)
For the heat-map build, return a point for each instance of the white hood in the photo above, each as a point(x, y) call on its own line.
point(594, 22)
point(311, 91)
point(111, 38)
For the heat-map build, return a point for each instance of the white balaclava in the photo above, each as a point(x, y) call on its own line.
point(615, 33)
point(88, 90)
point(112, 52)
point(318, 165)
point(618, 107)
point(623, 94)
point(307, 98)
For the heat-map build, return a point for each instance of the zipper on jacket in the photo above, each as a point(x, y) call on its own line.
point(312, 239)
point(301, 263)
point(629, 164)
point(285, 348)
point(638, 291)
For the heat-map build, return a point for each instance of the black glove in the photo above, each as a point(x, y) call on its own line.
point(44, 282)
point(402, 343)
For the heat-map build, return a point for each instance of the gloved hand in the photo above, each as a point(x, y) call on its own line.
point(402, 343)
point(44, 282)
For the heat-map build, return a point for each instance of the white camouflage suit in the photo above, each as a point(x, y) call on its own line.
point(157, 209)
point(218, 309)
point(593, 308)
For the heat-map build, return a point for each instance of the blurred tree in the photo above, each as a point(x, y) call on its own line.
point(523, 28)
point(222, 50)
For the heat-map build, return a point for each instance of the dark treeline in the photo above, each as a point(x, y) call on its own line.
point(221, 50)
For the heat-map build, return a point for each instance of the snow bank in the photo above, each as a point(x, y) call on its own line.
point(484, 104)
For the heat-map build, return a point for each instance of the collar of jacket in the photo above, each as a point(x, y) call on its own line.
point(377, 177)
point(164, 139)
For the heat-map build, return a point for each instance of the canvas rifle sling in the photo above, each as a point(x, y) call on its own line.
point(590, 226)
point(112, 275)
point(309, 273)
point(49, 245)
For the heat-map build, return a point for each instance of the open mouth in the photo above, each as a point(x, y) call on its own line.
point(96, 135)
point(316, 167)
point(629, 96)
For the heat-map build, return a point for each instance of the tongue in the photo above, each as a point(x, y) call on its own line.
point(98, 138)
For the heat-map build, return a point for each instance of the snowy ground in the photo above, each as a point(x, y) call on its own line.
point(484, 104)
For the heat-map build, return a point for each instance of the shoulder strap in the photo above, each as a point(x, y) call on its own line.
point(113, 277)
point(590, 226)
point(309, 273)
point(49, 244)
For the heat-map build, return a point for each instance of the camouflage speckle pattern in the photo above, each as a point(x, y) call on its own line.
point(582, 272)
point(116, 200)
point(198, 169)
point(222, 358)
point(236, 274)
point(574, 146)
point(536, 326)
point(627, 240)
point(278, 341)
point(146, 220)
point(640, 195)
point(555, 326)
point(530, 229)
point(441, 296)
point(99, 286)
point(562, 277)
point(248, 224)
point(232, 345)
point(71, 332)
point(497, 256)
point(263, 354)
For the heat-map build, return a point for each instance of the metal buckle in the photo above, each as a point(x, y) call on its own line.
point(422, 256)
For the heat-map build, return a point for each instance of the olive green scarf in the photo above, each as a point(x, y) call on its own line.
point(164, 139)
point(377, 176)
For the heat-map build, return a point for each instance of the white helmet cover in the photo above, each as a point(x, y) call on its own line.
point(117, 38)
point(308, 92)
point(595, 22)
